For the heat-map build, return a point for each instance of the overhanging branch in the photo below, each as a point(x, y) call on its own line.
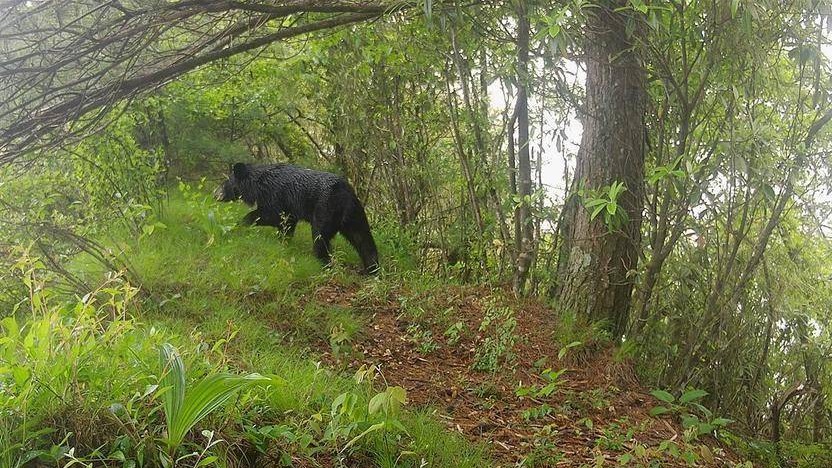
point(60, 64)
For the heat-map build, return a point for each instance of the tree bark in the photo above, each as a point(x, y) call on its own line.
point(593, 280)
point(467, 171)
point(512, 182)
point(524, 172)
point(776, 411)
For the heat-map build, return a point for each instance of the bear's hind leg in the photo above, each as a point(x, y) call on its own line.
point(320, 245)
point(360, 238)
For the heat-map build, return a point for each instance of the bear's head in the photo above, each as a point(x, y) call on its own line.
point(230, 189)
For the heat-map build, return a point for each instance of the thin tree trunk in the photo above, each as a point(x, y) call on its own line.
point(512, 182)
point(524, 173)
point(776, 412)
point(476, 114)
point(463, 158)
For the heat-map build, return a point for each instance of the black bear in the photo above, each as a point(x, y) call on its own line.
point(285, 194)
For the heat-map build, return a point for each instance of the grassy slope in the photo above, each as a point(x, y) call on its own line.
point(237, 300)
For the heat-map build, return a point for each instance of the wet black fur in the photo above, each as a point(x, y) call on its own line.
point(284, 194)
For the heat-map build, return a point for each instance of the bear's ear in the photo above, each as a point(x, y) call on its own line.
point(240, 170)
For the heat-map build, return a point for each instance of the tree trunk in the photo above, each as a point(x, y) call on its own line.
point(817, 417)
point(524, 172)
point(594, 280)
point(467, 171)
point(776, 412)
point(512, 183)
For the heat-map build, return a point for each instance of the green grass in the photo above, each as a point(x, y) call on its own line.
point(230, 300)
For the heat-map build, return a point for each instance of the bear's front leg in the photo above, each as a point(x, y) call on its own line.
point(251, 218)
point(287, 225)
point(260, 217)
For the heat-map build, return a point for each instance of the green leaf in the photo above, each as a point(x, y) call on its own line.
point(595, 202)
point(207, 460)
point(338, 402)
point(702, 409)
point(184, 410)
point(377, 403)
point(663, 396)
point(20, 375)
point(639, 6)
point(398, 394)
point(554, 30)
point(28, 456)
point(11, 327)
point(398, 425)
point(373, 428)
point(719, 422)
point(566, 348)
point(695, 195)
point(597, 210)
point(173, 381)
point(659, 410)
point(768, 192)
point(653, 20)
point(704, 428)
point(692, 395)
point(616, 189)
point(740, 164)
point(388, 401)
point(689, 421)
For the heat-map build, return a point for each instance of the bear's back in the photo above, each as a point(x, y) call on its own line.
point(292, 188)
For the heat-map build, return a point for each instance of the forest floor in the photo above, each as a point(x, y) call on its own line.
point(589, 411)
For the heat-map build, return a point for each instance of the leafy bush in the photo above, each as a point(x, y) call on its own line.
point(499, 325)
point(62, 361)
point(186, 407)
point(695, 417)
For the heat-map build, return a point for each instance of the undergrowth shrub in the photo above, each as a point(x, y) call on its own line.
point(81, 384)
point(498, 326)
point(61, 358)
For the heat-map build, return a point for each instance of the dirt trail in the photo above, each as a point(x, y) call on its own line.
point(596, 413)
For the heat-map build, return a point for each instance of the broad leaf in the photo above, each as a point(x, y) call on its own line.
point(663, 396)
point(692, 395)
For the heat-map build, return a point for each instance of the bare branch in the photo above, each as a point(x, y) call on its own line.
point(60, 60)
